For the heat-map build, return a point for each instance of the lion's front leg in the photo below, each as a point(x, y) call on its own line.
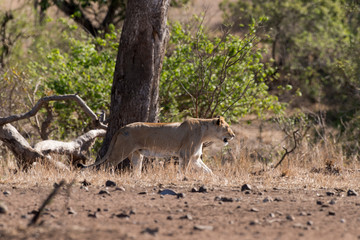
point(201, 166)
point(136, 159)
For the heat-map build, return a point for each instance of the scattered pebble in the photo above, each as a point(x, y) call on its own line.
point(194, 189)
point(318, 202)
point(290, 217)
point(254, 222)
point(167, 192)
point(7, 193)
point(272, 215)
point(309, 223)
point(151, 231)
point(142, 193)
point(169, 218)
point(303, 214)
point(180, 195)
point(224, 199)
point(268, 199)
point(351, 192)
point(330, 193)
point(203, 227)
point(85, 188)
point(331, 213)
point(104, 192)
point(203, 189)
point(187, 216)
point(85, 183)
point(122, 189)
point(278, 199)
point(3, 208)
point(332, 201)
point(110, 183)
point(122, 215)
point(254, 210)
point(92, 215)
point(245, 187)
point(71, 211)
point(342, 220)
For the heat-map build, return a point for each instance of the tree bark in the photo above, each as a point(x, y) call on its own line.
point(135, 89)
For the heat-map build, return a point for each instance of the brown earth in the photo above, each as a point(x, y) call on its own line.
point(143, 213)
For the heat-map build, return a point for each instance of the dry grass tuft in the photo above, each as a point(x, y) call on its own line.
point(245, 161)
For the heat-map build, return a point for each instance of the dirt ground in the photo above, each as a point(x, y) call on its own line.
point(143, 213)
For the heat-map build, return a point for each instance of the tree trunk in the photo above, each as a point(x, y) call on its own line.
point(135, 89)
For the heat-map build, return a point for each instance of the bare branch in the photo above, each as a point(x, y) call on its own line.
point(44, 100)
point(75, 149)
point(286, 151)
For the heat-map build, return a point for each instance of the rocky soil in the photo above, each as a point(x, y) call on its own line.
point(84, 211)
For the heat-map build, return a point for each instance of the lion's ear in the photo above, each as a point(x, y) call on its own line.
point(218, 121)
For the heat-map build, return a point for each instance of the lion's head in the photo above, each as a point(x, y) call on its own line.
point(223, 130)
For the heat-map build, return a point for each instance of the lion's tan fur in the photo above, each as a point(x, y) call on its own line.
point(183, 140)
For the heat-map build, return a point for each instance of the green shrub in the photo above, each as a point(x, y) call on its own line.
point(86, 68)
point(204, 76)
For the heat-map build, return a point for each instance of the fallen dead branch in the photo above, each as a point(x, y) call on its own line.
point(26, 155)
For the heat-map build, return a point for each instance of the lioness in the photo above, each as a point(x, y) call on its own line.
point(183, 140)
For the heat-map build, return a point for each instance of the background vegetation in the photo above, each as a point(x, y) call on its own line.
point(268, 58)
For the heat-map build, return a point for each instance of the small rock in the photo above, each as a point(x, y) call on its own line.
point(3, 208)
point(331, 213)
point(121, 189)
point(302, 213)
point(272, 215)
point(318, 202)
point(71, 211)
point(351, 192)
point(267, 199)
point(290, 217)
point(194, 189)
point(245, 187)
point(279, 213)
point(278, 199)
point(85, 183)
point(7, 193)
point(151, 231)
point(254, 222)
point(187, 216)
point(299, 225)
point(332, 201)
point(330, 193)
point(203, 189)
point(167, 192)
point(254, 210)
point(309, 223)
point(122, 215)
point(110, 183)
point(104, 192)
point(92, 215)
point(224, 199)
point(142, 193)
point(180, 195)
point(203, 227)
point(169, 218)
point(85, 188)
point(132, 212)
